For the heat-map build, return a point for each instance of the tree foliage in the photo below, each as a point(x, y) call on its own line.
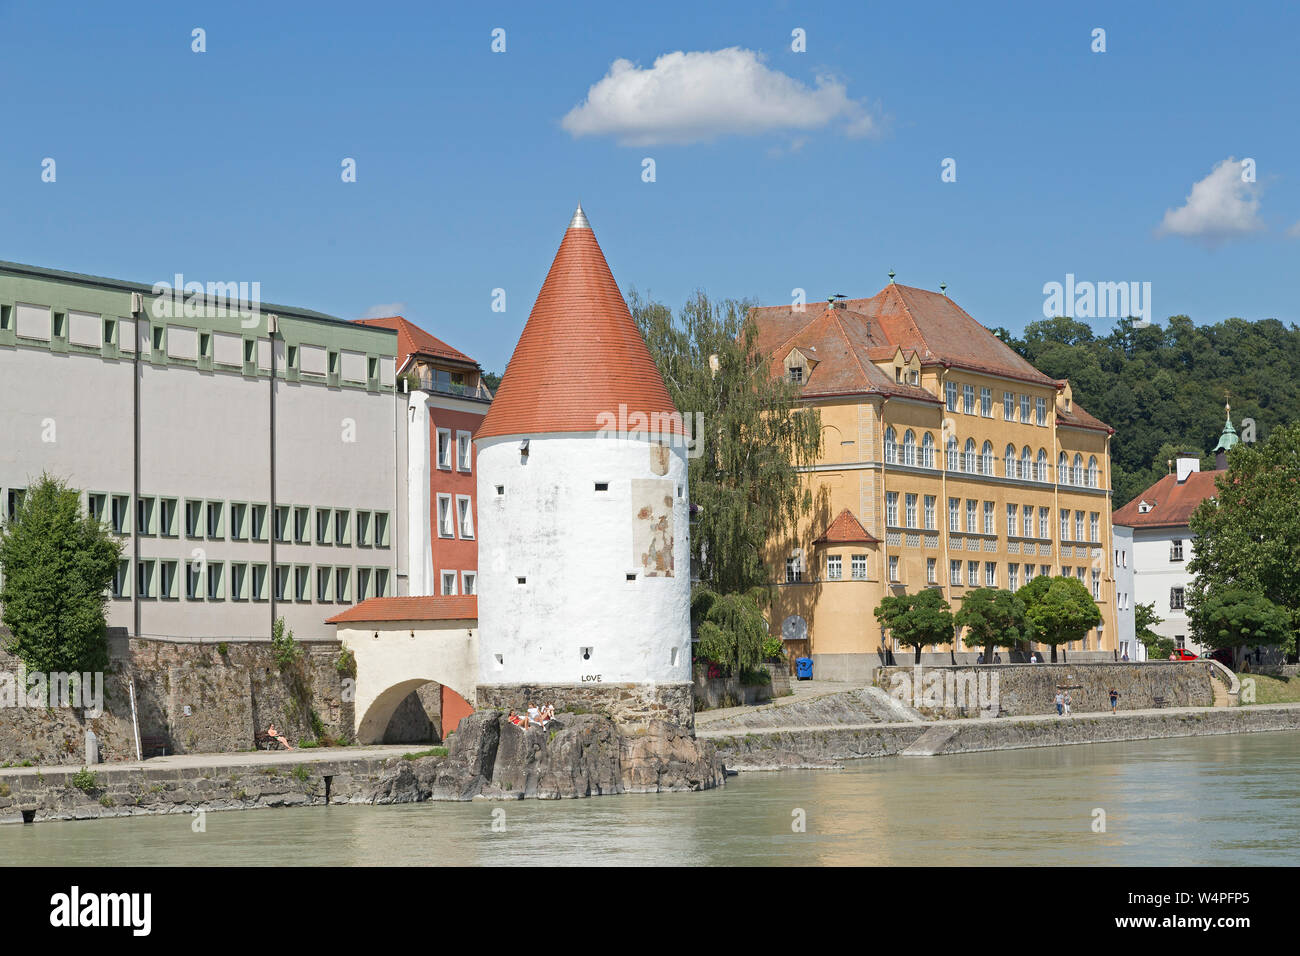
point(1248, 534)
point(754, 435)
point(58, 564)
point(917, 620)
point(1162, 387)
point(1145, 619)
point(1236, 618)
point(1059, 609)
point(992, 617)
point(731, 627)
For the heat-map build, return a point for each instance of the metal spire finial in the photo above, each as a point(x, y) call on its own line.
point(891, 276)
point(579, 220)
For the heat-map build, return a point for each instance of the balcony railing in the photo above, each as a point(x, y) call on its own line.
point(444, 386)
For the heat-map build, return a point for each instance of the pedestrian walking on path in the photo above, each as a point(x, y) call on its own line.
point(1067, 703)
point(1114, 699)
point(1060, 703)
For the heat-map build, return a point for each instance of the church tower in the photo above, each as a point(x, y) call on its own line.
point(584, 564)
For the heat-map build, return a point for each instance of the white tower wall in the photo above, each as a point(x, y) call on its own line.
point(575, 547)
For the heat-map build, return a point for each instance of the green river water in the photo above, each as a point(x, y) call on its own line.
point(1224, 801)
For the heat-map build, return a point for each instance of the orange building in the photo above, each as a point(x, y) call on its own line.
point(947, 461)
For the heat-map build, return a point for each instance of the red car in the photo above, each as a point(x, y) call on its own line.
point(1182, 654)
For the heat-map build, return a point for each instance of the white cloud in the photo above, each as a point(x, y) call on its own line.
point(385, 310)
point(695, 97)
point(1221, 206)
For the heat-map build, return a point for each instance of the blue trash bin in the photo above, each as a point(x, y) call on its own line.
point(803, 668)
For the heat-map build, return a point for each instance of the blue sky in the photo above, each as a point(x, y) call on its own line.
point(225, 165)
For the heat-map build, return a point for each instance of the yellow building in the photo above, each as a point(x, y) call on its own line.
point(947, 461)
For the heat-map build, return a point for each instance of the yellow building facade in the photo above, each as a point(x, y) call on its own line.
point(947, 461)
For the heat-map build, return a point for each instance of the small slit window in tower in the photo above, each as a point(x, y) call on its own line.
point(500, 661)
point(631, 575)
point(602, 486)
point(672, 657)
point(586, 653)
point(521, 580)
point(501, 489)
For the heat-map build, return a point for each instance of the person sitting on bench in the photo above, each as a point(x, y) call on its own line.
point(276, 735)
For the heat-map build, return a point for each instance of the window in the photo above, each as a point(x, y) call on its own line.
point(1092, 472)
point(95, 504)
point(986, 402)
point(954, 573)
point(893, 567)
point(167, 517)
point(953, 462)
point(215, 511)
point(858, 567)
point(121, 577)
point(324, 576)
point(931, 571)
point(301, 525)
point(1094, 527)
point(342, 585)
point(381, 582)
point(990, 574)
point(167, 580)
point(910, 512)
point(973, 573)
point(990, 525)
point(1027, 511)
point(1096, 584)
point(1009, 462)
point(909, 447)
point(302, 583)
point(1013, 576)
point(257, 522)
point(796, 374)
point(446, 529)
point(363, 529)
point(968, 399)
point(464, 451)
point(470, 579)
point(1065, 524)
point(1029, 573)
point(891, 446)
point(891, 508)
point(281, 582)
point(950, 395)
point(120, 517)
point(1078, 469)
point(1078, 573)
point(444, 448)
point(834, 570)
point(1024, 409)
point(971, 523)
point(1044, 570)
point(1044, 522)
point(1012, 523)
point(465, 513)
point(381, 529)
point(929, 512)
point(239, 582)
point(1043, 473)
point(969, 463)
point(1063, 469)
point(144, 579)
point(193, 580)
point(927, 450)
point(144, 512)
point(282, 523)
point(986, 456)
point(1078, 526)
point(1008, 407)
point(1040, 411)
point(1026, 464)
point(954, 514)
point(214, 570)
point(793, 573)
point(324, 522)
point(1176, 550)
point(448, 582)
point(342, 527)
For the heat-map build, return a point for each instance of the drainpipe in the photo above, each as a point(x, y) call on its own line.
point(137, 307)
point(884, 522)
point(942, 451)
point(272, 321)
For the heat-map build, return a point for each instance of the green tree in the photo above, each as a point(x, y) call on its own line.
point(755, 435)
point(1144, 621)
point(58, 564)
point(992, 617)
point(917, 620)
point(732, 629)
point(1248, 535)
point(1060, 610)
point(1236, 618)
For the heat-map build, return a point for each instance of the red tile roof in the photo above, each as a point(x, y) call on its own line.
point(580, 354)
point(846, 529)
point(1172, 503)
point(413, 340)
point(429, 608)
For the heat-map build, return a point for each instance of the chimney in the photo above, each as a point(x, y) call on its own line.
point(1187, 463)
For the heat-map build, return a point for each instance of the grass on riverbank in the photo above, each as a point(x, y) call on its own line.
point(431, 752)
point(1273, 690)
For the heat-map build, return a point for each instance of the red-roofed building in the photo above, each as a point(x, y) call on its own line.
point(948, 461)
point(448, 402)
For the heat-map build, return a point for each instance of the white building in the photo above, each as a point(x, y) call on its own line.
point(242, 493)
point(1127, 645)
point(583, 512)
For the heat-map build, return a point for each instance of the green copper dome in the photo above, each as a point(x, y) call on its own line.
point(1229, 436)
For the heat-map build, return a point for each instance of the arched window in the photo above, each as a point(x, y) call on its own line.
point(1063, 469)
point(891, 446)
point(969, 463)
point(1078, 469)
point(909, 448)
point(927, 450)
point(1026, 464)
point(1009, 464)
point(1043, 472)
point(986, 453)
point(1092, 472)
point(954, 462)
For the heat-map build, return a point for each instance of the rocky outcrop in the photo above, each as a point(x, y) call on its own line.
point(583, 755)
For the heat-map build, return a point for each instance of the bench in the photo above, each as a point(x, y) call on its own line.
point(1159, 702)
point(264, 741)
point(150, 743)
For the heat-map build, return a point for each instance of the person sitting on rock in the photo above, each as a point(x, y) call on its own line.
point(534, 714)
point(514, 718)
point(276, 735)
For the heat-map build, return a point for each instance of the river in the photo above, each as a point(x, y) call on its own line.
point(1223, 801)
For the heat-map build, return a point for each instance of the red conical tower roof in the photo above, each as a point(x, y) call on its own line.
point(580, 355)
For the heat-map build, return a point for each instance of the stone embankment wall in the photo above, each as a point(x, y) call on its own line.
point(630, 705)
point(1024, 689)
point(230, 696)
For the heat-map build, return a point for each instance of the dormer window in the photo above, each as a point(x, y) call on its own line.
point(1144, 507)
point(796, 374)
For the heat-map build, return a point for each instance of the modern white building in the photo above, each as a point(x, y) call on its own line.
point(244, 489)
point(1127, 645)
point(582, 497)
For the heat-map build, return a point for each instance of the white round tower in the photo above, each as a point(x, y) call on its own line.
point(583, 510)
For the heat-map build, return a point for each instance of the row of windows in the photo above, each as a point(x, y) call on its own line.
point(1011, 404)
point(464, 446)
point(991, 577)
point(1019, 518)
point(468, 579)
point(166, 580)
point(201, 518)
point(461, 522)
point(1024, 466)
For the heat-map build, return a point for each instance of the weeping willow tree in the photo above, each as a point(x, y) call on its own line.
point(750, 436)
